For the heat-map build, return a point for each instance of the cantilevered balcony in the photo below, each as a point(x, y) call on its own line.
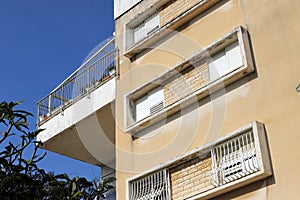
point(78, 116)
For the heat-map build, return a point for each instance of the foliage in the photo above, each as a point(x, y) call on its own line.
point(21, 178)
point(103, 187)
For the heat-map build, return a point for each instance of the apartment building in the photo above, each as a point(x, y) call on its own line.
point(206, 101)
point(202, 102)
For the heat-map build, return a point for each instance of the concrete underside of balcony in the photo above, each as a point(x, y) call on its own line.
point(84, 130)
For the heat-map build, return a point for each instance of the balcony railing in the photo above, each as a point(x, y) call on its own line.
point(97, 70)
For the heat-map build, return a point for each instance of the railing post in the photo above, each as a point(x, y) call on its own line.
point(89, 77)
point(49, 104)
point(62, 96)
point(116, 59)
point(38, 113)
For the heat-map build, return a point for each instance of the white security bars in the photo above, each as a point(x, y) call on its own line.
point(234, 159)
point(151, 187)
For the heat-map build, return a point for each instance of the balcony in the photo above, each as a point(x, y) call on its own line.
point(78, 114)
point(163, 26)
point(234, 160)
point(222, 62)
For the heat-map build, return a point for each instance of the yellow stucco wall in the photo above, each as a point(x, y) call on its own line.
point(268, 95)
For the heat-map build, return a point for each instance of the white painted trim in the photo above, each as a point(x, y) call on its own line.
point(238, 34)
point(132, 49)
point(83, 108)
point(263, 157)
point(122, 6)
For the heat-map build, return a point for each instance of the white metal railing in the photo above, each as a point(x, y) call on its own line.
point(152, 187)
point(234, 159)
point(92, 73)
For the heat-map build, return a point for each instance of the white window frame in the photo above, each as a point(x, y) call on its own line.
point(235, 73)
point(234, 159)
point(225, 61)
point(131, 48)
point(149, 104)
point(258, 171)
point(152, 186)
point(142, 27)
point(145, 27)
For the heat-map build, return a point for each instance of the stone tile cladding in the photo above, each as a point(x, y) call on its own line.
point(173, 9)
point(185, 83)
point(190, 178)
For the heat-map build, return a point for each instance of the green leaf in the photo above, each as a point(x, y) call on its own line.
point(62, 176)
point(77, 194)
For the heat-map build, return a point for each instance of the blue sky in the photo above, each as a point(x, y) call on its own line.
point(41, 43)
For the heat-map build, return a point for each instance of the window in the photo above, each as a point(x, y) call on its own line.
point(141, 26)
point(149, 104)
point(145, 27)
point(234, 159)
point(225, 61)
point(172, 15)
point(154, 186)
point(231, 61)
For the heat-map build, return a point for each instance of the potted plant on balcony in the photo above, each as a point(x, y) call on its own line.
point(105, 75)
point(112, 70)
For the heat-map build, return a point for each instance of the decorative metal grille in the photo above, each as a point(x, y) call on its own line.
point(151, 187)
point(234, 159)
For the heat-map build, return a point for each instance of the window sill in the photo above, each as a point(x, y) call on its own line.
point(263, 160)
point(164, 30)
point(239, 34)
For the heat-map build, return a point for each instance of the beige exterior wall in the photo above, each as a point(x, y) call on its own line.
point(268, 95)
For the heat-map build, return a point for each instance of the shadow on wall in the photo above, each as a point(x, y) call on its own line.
point(197, 104)
point(248, 192)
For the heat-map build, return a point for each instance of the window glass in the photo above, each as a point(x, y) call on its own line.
point(146, 27)
point(234, 56)
point(142, 108)
point(218, 66)
point(149, 104)
point(225, 61)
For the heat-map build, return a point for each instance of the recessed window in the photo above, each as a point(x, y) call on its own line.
point(149, 104)
point(141, 27)
point(153, 186)
point(225, 61)
point(168, 15)
point(230, 59)
point(145, 27)
point(234, 160)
